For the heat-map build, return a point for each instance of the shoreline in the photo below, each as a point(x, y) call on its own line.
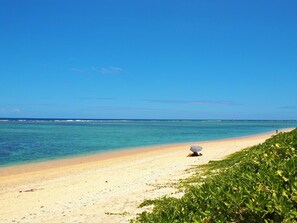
point(21, 168)
point(108, 189)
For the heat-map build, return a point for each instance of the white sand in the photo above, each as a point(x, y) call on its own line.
point(101, 188)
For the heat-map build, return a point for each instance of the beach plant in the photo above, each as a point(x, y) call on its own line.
point(257, 184)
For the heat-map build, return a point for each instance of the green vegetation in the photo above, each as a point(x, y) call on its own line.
point(258, 184)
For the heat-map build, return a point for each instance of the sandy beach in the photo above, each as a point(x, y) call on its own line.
point(102, 188)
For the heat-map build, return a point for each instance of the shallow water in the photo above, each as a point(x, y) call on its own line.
point(25, 141)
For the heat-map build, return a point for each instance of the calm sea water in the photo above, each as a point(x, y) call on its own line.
point(25, 141)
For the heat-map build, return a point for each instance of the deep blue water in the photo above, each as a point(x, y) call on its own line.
point(24, 141)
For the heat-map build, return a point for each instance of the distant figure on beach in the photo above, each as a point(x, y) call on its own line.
point(195, 151)
point(276, 131)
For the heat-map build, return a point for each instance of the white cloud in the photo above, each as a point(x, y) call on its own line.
point(288, 107)
point(197, 102)
point(110, 70)
point(16, 110)
point(78, 70)
point(95, 70)
point(7, 111)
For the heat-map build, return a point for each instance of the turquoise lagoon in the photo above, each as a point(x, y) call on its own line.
point(31, 140)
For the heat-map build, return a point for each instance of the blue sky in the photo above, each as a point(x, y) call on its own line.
point(148, 59)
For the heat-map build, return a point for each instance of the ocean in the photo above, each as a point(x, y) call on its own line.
point(32, 140)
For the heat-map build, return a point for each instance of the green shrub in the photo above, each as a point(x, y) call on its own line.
point(257, 184)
